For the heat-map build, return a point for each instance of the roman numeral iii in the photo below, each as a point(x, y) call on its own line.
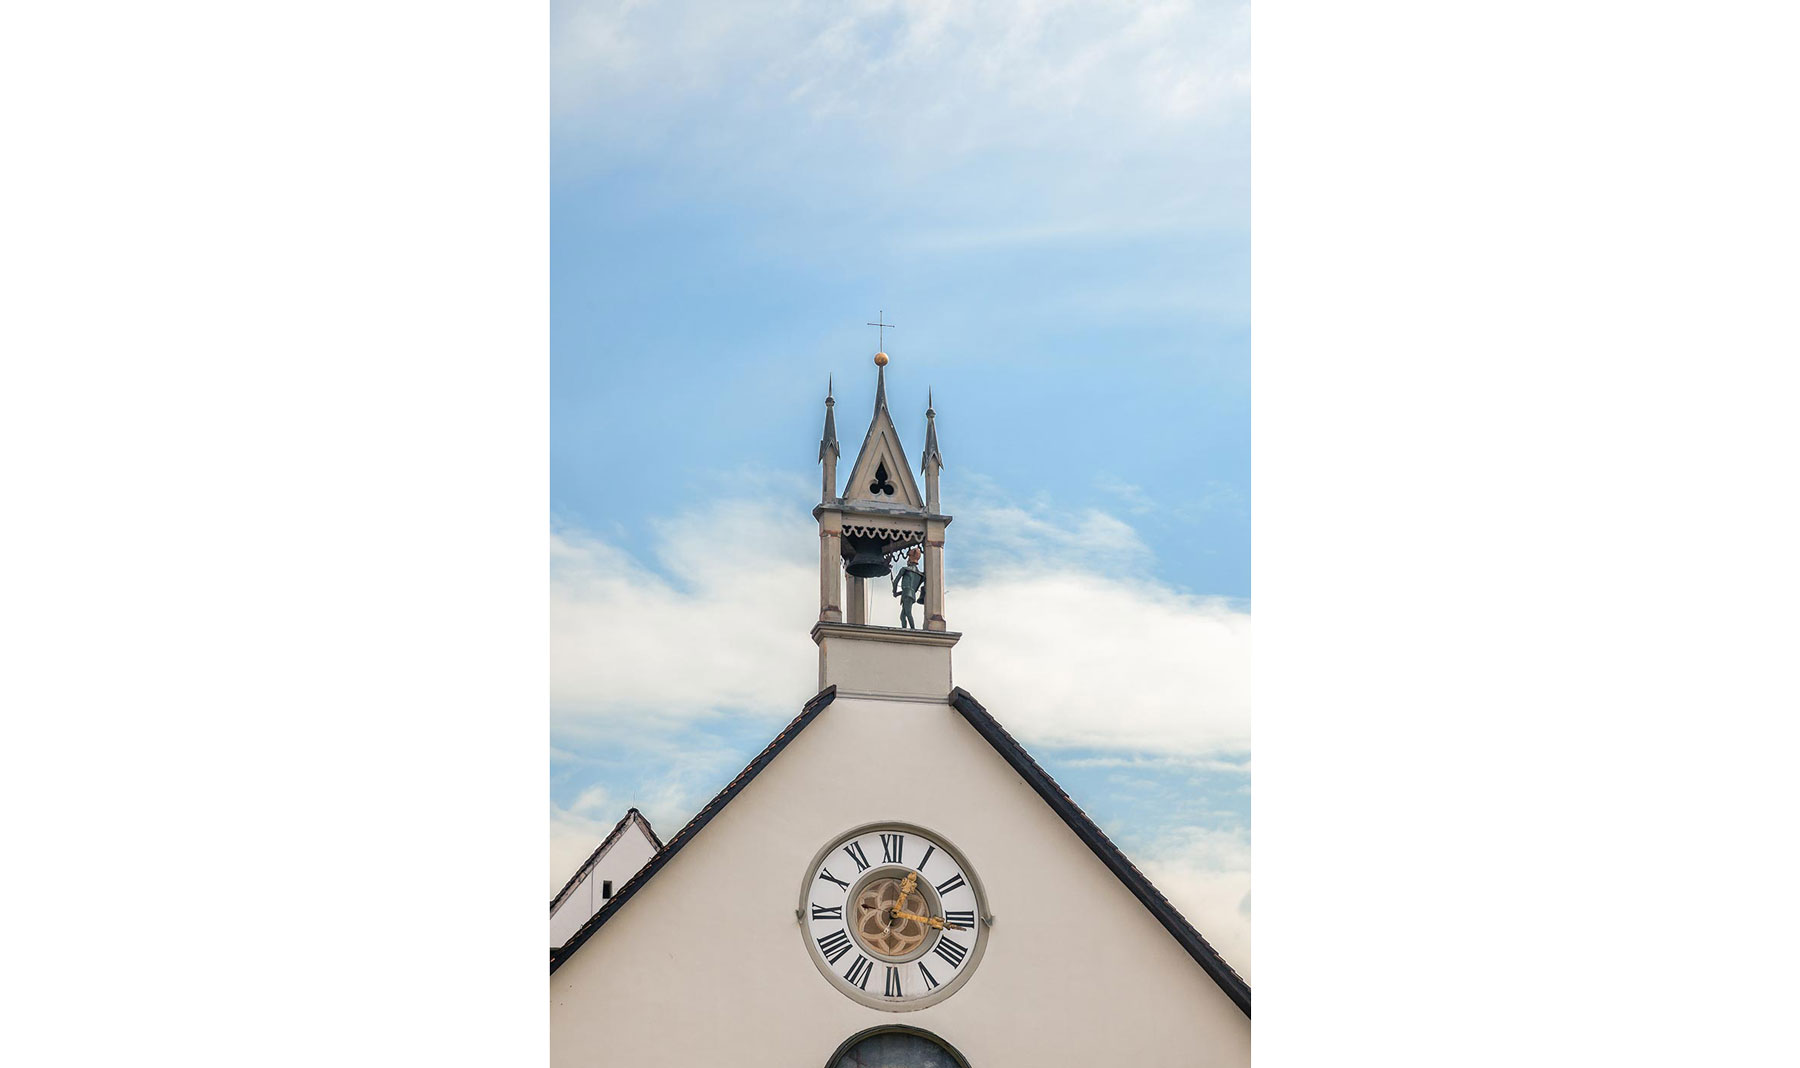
point(831, 912)
point(856, 853)
point(961, 919)
point(835, 945)
point(892, 846)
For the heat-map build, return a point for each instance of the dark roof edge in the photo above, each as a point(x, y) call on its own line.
point(1014, 754)
point(686, 834)
point(600, 851)
point(649, 830)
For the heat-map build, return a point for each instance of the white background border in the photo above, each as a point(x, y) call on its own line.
point(272, 436)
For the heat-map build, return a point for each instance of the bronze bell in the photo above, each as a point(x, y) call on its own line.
point(866, 559)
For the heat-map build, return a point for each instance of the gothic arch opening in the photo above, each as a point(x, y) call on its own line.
point(895, 1046)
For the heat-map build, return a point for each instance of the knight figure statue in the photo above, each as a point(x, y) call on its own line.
point(909, 586)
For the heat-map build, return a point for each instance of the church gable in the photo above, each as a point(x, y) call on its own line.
point(711, 950)
point(1024, 766)
point(881, 474)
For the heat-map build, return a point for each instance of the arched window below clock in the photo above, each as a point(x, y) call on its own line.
point(895, 1046)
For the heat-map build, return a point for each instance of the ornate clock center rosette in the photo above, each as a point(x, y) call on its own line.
point(879, 930)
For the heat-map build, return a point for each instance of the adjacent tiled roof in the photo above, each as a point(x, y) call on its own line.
point(1021, 762)
point(631, 815)
point(686, 834)
point(1110, 855)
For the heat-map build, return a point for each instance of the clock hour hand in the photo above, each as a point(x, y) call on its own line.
point(929, 921)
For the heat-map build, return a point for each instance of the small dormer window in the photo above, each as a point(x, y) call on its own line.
point(881, 484)
point(606, 889)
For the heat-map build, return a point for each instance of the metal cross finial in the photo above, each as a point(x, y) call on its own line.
point(881, 335)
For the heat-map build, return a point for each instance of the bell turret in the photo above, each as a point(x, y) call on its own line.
point(881, 521)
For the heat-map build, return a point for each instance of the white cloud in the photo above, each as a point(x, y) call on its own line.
point(1071, 658)
point(1001, 536)
point(1032, 122)
point(1062, 653)
point(1017, 71)
point(628, 643)
point(1205, 873)
point(572, 837)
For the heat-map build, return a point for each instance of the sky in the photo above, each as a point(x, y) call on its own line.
point(1050, 201)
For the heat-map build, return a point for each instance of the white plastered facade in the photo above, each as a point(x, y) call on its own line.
point(706, 964)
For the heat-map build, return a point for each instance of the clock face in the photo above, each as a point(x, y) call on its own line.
point(893, 916)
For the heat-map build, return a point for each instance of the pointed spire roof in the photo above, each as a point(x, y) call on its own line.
point(829, 441)
point(882, 474)
point(932, 455)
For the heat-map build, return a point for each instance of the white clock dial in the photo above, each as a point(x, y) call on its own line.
point(893, 916)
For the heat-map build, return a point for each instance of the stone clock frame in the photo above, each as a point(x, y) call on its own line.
point(983, 912)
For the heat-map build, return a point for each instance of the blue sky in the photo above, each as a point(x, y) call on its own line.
point(1050, 200)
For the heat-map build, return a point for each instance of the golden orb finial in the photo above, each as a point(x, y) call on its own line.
point(881, 359)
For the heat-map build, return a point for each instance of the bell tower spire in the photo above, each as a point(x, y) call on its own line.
point(882, 536)
point(828, 449)
point(933, 461)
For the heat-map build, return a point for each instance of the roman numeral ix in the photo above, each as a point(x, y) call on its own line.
point(828, 912)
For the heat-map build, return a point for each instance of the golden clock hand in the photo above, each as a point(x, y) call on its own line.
point(932, 921)
point(906, 889)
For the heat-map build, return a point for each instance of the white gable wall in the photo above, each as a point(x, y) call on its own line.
point(631, 851)
point(706, 964)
